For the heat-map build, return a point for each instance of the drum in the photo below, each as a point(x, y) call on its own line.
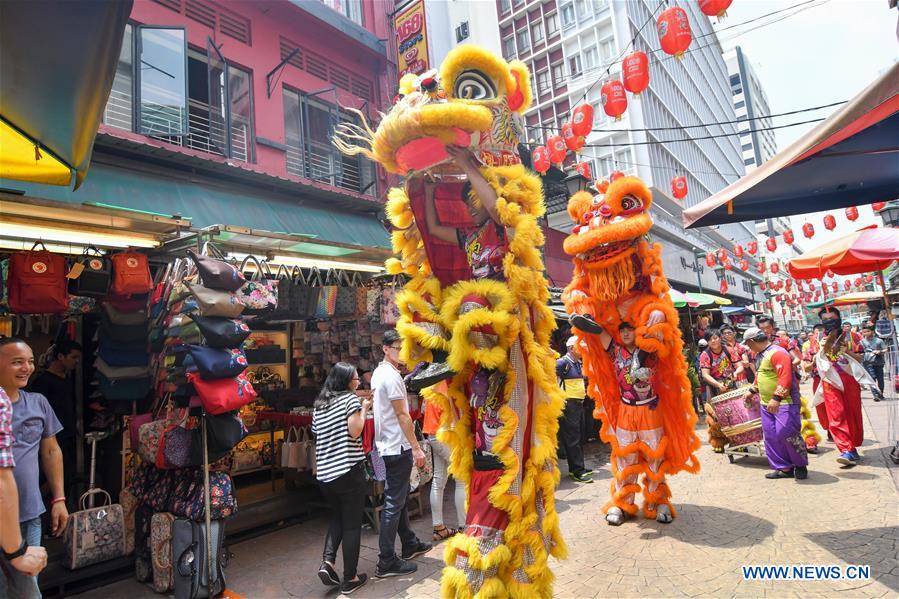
point(740, 416)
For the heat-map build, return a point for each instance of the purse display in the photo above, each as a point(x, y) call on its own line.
point(222, 332)
point(327, 298)
point(345, 302)
point(213, 302)
point(223, 433)
point(94, 535)
point(118, 317)
point(36, 282)
point(188, 496)
point(215, 271)
point(95, 276)
point(176, 448)
point(130, 274)
point(124, 389)
point(258, 294)
point(223, 395)
point(214, 363)
point(120, 372)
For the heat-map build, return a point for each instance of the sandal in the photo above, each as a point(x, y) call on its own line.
point(442, 533)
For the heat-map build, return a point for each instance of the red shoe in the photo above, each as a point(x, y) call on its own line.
point(811, 445)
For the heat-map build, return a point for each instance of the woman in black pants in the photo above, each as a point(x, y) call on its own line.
point(337, 425)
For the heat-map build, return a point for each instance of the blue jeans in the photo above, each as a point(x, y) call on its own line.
point(395, 515)
point(14, 584)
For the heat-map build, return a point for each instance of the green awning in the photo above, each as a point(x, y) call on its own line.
point(206, 205)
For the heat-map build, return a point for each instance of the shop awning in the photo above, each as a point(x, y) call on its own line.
point(850, 159)
point(57, 63)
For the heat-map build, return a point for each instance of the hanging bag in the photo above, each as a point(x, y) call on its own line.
point(37, 282)
point(92, 274)
point(215, 270)
point(213, 302)
point(130, 274)
point(222, 332)
point(117, 317)
point(327, 299)
point(390, 314)
point(290, 449)
point(258, 294)
point(223, 433)
point(314, 284)
point(345, 304)
point(222, 395)
point(214, 363)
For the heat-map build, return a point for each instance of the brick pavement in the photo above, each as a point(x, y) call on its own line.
point(729, 516)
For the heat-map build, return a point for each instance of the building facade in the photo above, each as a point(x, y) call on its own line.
point(751, 104)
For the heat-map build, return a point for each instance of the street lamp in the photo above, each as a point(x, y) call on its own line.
point(697, 254)
point(890, 214)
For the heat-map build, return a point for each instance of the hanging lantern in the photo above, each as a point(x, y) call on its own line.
point(540, 158)
point(602, 185)
point(583, 169)
point(738, 251)
point(852, 213)
point(771, 244)
point(868, 278)
point(760, 268)
point(572, 141)
point(679, 187)
point(728, 265)
point(762, 285)
point(557, 149)
point(582, 119)
point(715, 8)
point(808, 230)
point(878, 206)
point(829, 274)
point(830, 223)
point(744, 264)
point(710, 259)
point(834, 286)
point(788, 236)
point(789, 284)
point(752, 247)
point(673, 27)
point(847, 285)
point(723, 287)
point(614, 100)
point(615, 175)
point(722, 255)
point(635, 70)
point(775, 268)
point(799, 286)
point(857, 282)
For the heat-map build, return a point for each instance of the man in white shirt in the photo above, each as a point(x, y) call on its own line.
point(397, 445)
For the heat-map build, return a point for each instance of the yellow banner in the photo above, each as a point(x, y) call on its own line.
point(412, 39)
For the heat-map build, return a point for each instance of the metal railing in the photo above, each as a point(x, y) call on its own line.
point(321, 162)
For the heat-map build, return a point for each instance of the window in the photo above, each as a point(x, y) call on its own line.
point(521, 39)
point(607, 48)
point(308, 127)
point(591, 58)
point(735, 80)
point(574, 65)
point(229, 108)
point(504, 6)
point(537, 32)
point(749, 161)
point(747, 146)
point(552, 24)
point(558, 73)
point(737, 90)
point(582, 12)
point(162, 80)
point(740, 104)
point(567, 15)
point(462, 32)
point(119, 112)
point(543, 84)
point(509, 47)
point(600, 5)
point(351, 9)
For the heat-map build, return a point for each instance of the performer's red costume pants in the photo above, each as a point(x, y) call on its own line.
point(844, 413)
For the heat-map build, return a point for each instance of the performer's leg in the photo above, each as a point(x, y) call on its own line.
point(656, 494)
point(852, 398)
point(789, 422)
point(775, 444)
point(821, 408)
point(625, 469)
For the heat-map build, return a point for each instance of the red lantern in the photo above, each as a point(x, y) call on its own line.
point(857, 282)
point(771, 244)
point(679, 187)
point(723, 287)
point(722, 255)
point(582, 120)
point(760, 268)
point(808, 230)
point(615, 175)
point(878, 206)
point(738, 251)
point(847, 285)
point(852, 213)
point(834, 286)
point(557, 149)
point(727, 264)
point(602, 185)
point(635, 70)
point(744, 264)
point(830, 223)
point(673, 27)
point(710, 259)
point(799, 286)
point(788, 236)
point(775, 268)
point(714, 8)
point(762, 285)
point(829, 274)
point(572, 141)
point(540, 158)
point(752, 247)
point(868, 278)
point(614, 100)
point(583, 169)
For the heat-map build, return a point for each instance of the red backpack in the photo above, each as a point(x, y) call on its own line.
point(130, 274)
point(37, 282)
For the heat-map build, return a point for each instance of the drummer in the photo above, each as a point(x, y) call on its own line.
point(739, 354)
point(718, 367)
point(778, 391)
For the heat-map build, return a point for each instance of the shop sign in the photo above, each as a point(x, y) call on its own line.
point(412, 39)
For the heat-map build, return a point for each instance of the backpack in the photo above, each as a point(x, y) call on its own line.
point(37, 282)
point(95, 276)
point(130, 274)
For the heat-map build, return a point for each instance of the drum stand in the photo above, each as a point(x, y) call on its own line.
point(750, 449)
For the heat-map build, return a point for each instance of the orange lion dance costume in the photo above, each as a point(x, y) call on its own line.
point(480, 308)
point(618, 299)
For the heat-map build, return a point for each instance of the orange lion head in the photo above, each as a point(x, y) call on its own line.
point(608, 227)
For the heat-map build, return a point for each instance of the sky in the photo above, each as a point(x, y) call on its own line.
point(826, 53)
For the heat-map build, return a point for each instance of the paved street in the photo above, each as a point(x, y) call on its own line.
point(729, 516)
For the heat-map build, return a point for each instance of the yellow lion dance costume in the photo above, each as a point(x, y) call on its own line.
point(493, 332)
point(642, 393)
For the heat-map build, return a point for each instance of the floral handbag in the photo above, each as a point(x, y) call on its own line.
point(189, 496)
point(345, 302)
point(259, 294)
point(390, 314)
point(95, 535)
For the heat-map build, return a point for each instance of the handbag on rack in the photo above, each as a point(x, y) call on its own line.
point(259, 294)
point(345, 304)
point(94, 535)
point(130, 274)
point(120, 372)
point(123, 333)
point(213, 302)
point(95, 274)
point(176, 447)
point(327, 298)
point(117, 317)
point(188, 501)
point(223, 395)
point(124, 389)
point(190, 550)
point(222, 332)
point(216, 363)
point(161, 525)
point(389, 311)
point(290, 449)
point(37, 282)
point(215, 271)
point(129, 505)
point(223, 433)
point(290, 294)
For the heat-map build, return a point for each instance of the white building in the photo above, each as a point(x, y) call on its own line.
point(750, 103)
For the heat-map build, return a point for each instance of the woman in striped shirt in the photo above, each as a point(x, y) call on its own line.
point(337, 425)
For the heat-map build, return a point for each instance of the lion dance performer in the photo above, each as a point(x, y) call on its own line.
point(466, 231)
point(619, 301)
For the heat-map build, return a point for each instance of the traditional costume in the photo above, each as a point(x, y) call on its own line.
point(482, 304)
